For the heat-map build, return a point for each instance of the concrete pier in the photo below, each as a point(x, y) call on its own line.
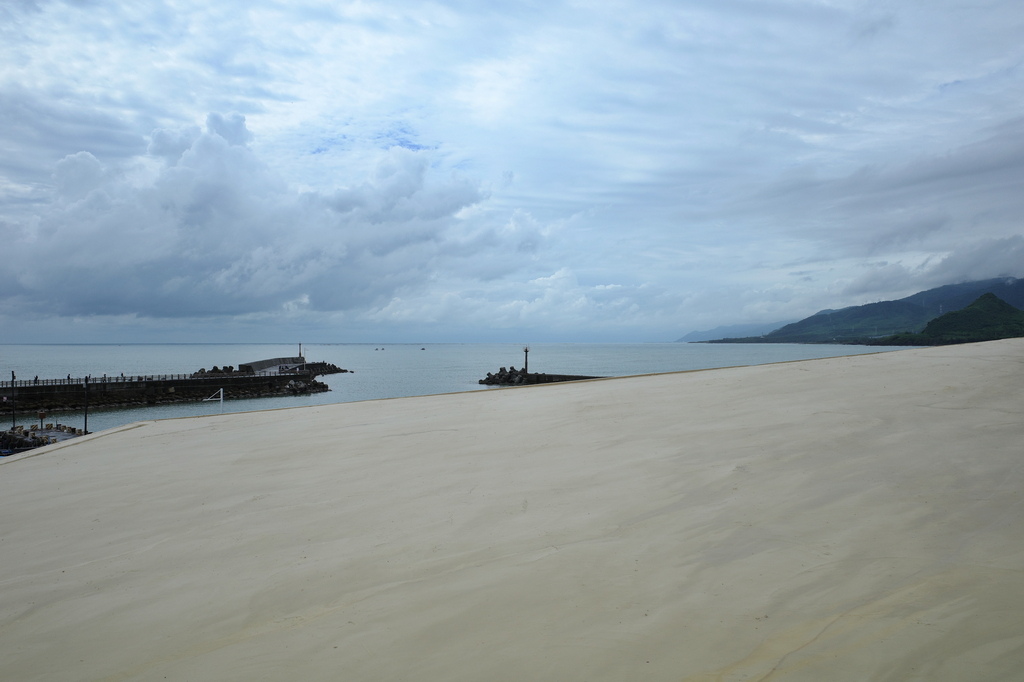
point(19, 438)
point(55, 395)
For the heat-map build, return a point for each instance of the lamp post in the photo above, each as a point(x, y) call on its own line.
point(526, 359)
point(85, 427)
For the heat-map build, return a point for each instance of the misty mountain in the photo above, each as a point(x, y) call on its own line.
point(731, 330)
point(886, 318)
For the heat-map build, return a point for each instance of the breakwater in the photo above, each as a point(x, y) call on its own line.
point(521, 377)
point(56, 395)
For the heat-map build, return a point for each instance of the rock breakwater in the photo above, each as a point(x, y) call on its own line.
point(520, 377)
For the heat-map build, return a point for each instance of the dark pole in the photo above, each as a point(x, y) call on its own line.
point(85, 428)
point(526, 359)
point(14, 403)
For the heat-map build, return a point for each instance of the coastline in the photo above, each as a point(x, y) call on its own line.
point(846, 518)
point(403, 371)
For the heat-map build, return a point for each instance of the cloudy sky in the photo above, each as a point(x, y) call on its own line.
point(465, 170)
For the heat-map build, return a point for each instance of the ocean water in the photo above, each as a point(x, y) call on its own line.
point(377, 371)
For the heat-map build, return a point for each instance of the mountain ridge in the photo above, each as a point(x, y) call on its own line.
point(910, 314)
point(986, 319)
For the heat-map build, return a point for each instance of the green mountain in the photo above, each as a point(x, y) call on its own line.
point(987, 319)
point(886, 318)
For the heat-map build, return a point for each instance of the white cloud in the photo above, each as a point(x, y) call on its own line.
point(608, 170)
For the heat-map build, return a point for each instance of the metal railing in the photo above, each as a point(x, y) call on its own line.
point(141, 378)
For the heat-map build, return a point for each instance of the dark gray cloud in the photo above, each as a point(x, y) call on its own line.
point(215, 232)
point(928, 201)
point(37, 131)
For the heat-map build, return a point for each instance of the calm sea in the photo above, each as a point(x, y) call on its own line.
point(377, 371)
